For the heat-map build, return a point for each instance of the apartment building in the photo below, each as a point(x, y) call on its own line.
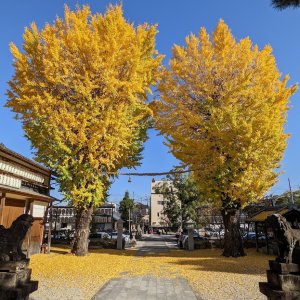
point(157, 201)
point(104, 217)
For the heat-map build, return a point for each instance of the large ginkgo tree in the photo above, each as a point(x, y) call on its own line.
point(80, 90)
point(223, 108)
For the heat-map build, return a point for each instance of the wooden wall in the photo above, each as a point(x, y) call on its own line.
point(12, 209)
point(36, 236)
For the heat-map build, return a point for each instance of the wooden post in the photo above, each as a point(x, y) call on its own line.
point(27, 206)
point(2, 204)
point(49, 228)
point(267, 239)
point(256, 236)
point(29, 231)
point(112, 219)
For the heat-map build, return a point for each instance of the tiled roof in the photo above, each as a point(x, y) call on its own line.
point(262, 215)
point(21, 157)
point(27, 193)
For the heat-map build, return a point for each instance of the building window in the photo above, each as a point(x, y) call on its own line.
point(160, 202)
point(158, 214)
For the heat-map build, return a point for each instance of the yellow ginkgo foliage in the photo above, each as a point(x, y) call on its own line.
point(223, 108)
point(80, 88)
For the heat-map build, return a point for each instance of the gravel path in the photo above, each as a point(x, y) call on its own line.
point(50, 292)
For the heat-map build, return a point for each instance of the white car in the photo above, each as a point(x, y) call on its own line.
point(99, 235)
point(114, 236)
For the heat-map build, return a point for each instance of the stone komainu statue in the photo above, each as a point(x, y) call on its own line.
point(11, 239)
point(285, 235)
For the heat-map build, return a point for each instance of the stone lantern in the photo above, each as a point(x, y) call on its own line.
point(190, 227)
point(120, 245)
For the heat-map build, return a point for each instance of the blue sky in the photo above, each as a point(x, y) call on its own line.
point(176, 19)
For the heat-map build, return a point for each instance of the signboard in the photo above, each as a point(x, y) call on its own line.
point(38, 209)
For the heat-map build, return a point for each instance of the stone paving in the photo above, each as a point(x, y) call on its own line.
point(155, 244)
point(148, 287)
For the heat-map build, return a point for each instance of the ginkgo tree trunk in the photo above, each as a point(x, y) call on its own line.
point(223, 107)
point(80, 89)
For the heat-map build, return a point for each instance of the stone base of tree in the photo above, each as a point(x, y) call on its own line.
point(283, 281)
point(15, 283)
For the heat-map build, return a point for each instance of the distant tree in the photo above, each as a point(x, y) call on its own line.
point(283, 4)
point(171, 213)
point(208, 214)
point(223, 107)
point(181, 198)
point(138, 212)
point(285, 198)
point(126, 206)
point(80, 88)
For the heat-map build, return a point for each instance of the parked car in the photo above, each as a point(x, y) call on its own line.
point(252, 236)
point(215, 235)
point(249, 236)
point(181, 237)
point(99, 235)
point(62, 234)
point(180, 240)
point(126, 237)
point(114, 236)
point(184, 237)
point(197, 240)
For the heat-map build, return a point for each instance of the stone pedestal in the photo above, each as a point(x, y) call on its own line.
point(283, 281)
point(120, 234)
point(15, 283)
point(191, 244)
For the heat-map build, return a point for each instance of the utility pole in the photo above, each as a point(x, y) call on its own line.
point(129, 225)
point(112, 219)
point(133, 224)
point(291, 193)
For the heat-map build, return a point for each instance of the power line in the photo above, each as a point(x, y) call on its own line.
point(153, 173)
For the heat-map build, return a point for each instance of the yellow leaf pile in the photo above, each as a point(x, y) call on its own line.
point(211, 275)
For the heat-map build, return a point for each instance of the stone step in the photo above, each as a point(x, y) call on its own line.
point(19, 293)
point(13, 266)
point(13, 280)
point(274, 294)
point(284, 268)
point(284, 282)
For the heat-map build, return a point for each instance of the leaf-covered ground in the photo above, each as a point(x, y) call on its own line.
point(64, 276)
